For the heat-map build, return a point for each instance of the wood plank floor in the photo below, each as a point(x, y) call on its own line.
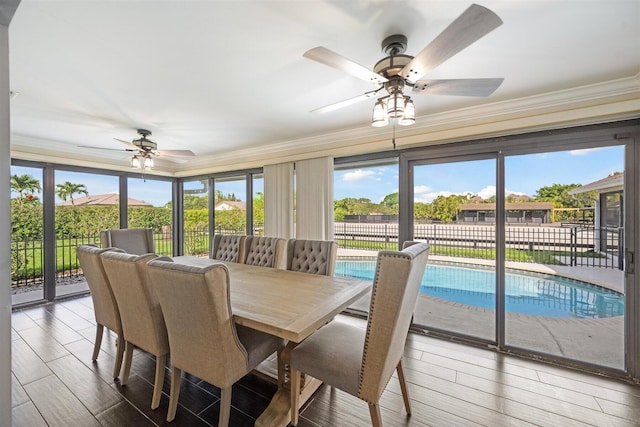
point(56, 384)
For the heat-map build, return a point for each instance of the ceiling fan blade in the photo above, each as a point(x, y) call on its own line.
point(346, 102)
point(332, 59)
point(474, 23)
point(129, 143)
point(104, 148)
point(178, 153)
point(457, 87)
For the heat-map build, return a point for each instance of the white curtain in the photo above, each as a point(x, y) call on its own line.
point(278, 200)
point(314, 199)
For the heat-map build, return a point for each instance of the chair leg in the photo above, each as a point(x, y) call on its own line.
point(376, 418)
point(98, 343)
point(295, 394)
point(120, 345)
point(128, 355)
point(176, 377)
point(403, 388)
point(225, 407)
point(159, 381)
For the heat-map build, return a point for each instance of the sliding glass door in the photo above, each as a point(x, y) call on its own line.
point(527, 246)
point(454, 209)
point(564, 213)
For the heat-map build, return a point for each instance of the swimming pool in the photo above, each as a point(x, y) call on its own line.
point(526, 292)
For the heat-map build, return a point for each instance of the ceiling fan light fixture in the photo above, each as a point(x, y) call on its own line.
point(380, 117)
point(395, 105)
point(409, 116)
point(135, 162)
point(148, 163)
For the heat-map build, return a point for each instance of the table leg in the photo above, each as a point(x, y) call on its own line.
point(278, 413)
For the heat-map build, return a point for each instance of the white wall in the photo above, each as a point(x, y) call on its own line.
point(5, 227)
point(7, 9)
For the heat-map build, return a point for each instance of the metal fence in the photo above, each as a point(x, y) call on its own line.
point(573, 245)
point(27, 255)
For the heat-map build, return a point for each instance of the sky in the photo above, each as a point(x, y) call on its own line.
point(524, 174)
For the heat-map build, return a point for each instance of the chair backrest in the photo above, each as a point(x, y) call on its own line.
point(393, 297)
point(264, 251)
point(197, 311)
point(105, 306)
point(228, 247)
point(142, 320)
point(132, 240)
point(312, 256)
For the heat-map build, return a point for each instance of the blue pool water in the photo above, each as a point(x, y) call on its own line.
point(526, 292)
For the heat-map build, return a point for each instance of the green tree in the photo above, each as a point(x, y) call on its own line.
point(195, 202)
point(445, 208)
point(67, 189)
point(24, 183)
point(392, 201)
point(258, 208)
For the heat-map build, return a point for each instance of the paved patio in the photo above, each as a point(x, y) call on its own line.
point(598, 341)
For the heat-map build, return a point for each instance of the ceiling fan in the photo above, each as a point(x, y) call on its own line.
point(145, 150)
point(397, 71)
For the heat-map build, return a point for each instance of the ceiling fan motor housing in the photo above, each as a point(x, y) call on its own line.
point(390, 66)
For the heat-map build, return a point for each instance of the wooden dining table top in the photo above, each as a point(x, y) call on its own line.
point(288, 304)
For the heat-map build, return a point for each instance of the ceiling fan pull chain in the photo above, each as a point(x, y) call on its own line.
point(394, 135)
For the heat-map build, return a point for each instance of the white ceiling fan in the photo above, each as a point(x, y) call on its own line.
point(398, 72)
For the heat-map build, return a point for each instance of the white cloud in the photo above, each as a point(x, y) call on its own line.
point(358, 175)
point(487, 192)
point(419, 189)
point(585, 151)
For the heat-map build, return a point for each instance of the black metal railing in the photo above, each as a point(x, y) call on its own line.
point(572, 246)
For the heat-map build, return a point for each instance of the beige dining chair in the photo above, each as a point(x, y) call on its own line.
point(142, 321)
point(264, 251)
point(105, 306)
point(228, 247)
point(132, 240)
point(312, 256)
point(358, 361)
point(203, 337)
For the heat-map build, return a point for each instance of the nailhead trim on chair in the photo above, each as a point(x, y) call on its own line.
point(370, 322)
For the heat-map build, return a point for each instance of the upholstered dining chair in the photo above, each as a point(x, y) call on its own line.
point(136, 241)
point(264, 251)
point(228, 247)
point(105, 306)
point(142, 321)
point(312, 256)
point(358, 361)
point(203, 337)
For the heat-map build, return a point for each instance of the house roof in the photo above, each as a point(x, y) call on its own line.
point(228, 79)
point(110, 199)
point(520, 206)
point(613, 182)
point(230, 204)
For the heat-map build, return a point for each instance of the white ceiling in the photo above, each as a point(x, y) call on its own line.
point(227, 79)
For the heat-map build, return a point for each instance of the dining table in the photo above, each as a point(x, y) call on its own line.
point(288, 304)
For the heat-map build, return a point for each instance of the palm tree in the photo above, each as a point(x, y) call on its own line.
point(68, 189)
point(22, 183)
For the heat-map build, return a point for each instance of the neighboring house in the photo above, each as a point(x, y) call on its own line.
point(609, 209)
point(110, 199)
point(229, 205)
point(522, 212)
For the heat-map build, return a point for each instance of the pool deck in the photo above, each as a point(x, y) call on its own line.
point(598, 341)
